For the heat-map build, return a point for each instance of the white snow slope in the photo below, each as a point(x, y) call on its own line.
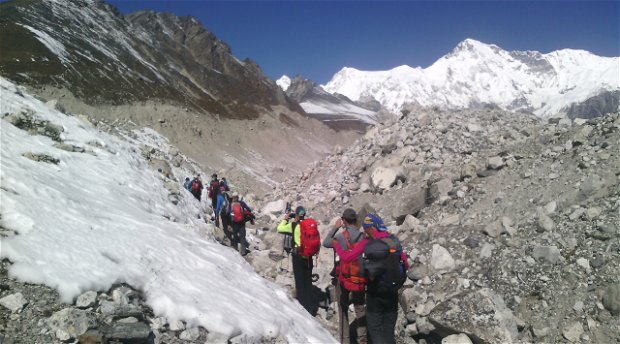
point(103, 217)
point(476, 73)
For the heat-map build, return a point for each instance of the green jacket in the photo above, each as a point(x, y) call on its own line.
point(287, 228)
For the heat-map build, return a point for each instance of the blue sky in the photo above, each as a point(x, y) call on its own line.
point(317, 38)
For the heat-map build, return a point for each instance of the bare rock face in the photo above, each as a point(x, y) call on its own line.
point(481, 315)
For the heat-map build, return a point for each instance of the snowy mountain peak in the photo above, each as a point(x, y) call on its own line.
point(284, 82)
point(477, 74)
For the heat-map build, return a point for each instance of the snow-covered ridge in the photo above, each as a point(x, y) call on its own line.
point(475, 73)
point(88, 220)
point(284, 82)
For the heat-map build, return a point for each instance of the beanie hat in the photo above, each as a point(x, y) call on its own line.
point(372, 220)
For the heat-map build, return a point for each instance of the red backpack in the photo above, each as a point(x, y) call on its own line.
point(351, 274)
point(196, 186)
point(237, 212)
point(310, 238)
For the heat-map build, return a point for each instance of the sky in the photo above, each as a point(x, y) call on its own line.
point(101, 217)
point(316, 39)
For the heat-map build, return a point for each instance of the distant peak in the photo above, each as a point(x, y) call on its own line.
point(470, 44)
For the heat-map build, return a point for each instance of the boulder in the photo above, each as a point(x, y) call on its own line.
point(611, 299)
point(441, 259)
point(382, 178)
point(274, 207)
point(71, 322)
point(480, 314)
point(14, 302)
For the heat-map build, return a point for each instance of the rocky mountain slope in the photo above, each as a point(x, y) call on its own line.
point(512, 223)
point(476, 74)
point(103, 57)
point(161, 71)
point(337, 111)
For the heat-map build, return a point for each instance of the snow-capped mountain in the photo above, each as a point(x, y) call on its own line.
point(284, 82)
point(335, 110)
point(476, 74)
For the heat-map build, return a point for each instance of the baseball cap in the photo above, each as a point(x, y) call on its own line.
point(372, 220)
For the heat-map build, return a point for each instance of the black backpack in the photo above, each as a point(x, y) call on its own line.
point(383, 264)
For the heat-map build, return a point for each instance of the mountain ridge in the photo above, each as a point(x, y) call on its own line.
point(474, 74)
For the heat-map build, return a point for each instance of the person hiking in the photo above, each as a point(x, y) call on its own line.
point(224, 183)
point(214, 190)
point(196, 188)
point(222, 213)
point(238, 225)
point(188, 184)
point(350, 281)
point(302, 265)
point(381, 289)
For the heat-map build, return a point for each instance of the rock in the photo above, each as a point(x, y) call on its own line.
point(128, 332)
point(14, 302)
point(551, 207)
point(440, 188)
point(468, 171)
point(583, 263)
point(72, 321)
point(598, 261)
point(550, 254)
point(494, 229)
point(177, 325)
point(481, 314)
point(87, 299)
point(487, 250)
point(191, 334)
point(413, 198)
point(456, 339)
point(158, 323)
point(274, 208)
point(109, 308)
point(540, 332)
point(544, 222)
point(495, 163)
point(441, 260)
point(611, 299)
point(383, 178)
point(573, 332)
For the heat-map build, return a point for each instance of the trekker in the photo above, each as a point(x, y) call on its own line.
point(302, 265)
point(222, 213)
point(214, 190)
point(197, 187)
point(386, 266)
point(350, 282)
point(238, 225)
point(224, 182)
point(188, 184)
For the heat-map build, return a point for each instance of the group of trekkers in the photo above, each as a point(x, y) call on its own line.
point(230, 211)
point(370, 266)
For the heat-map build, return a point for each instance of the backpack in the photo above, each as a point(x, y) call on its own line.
point(310, 238)
point(351, 274)
point(214, 188)
point(237, 212)
point(384, 265)
point(196, 186)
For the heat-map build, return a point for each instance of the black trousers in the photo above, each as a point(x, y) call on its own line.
point(302, 271)
point(381, 315)
point(345, 298)
point(239, 237)
point(227, 227)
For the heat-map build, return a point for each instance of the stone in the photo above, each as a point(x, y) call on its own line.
point(456, 339)
point(274, 208)
point(544, 222)
point(583, 263)
point(158, 323)
point(441, 260)
point(550, 207)
point(481, 312)
point(128, 332)
point(468, 171)
point(73, 321)
point(177, 325)
point(573, 332)
point(495, 163)
point(611, 299)
point(487, 250)
point(383, 178)
point(14, 302)
point(87, 299)
point(190, 334)
point(550, 254)
point(494, 229)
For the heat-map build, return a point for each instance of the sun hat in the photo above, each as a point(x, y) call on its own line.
point(372, 220)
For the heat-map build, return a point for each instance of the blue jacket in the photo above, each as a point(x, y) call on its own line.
point(220, 204)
